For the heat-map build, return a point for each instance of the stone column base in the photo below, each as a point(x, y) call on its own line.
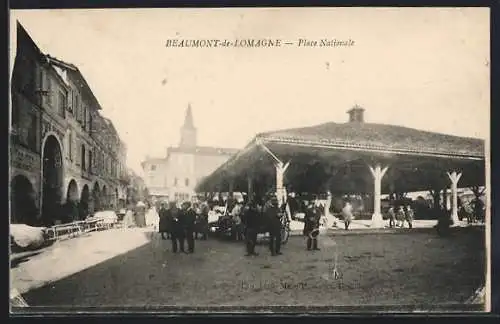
point(377, 221)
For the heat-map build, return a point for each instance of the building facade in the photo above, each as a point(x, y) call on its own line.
point(66, 159)
point(175, 176)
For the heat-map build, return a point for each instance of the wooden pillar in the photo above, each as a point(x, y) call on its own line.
point(280, 188)
point(231, 189)
point(250, 187)
point(328, 203)
point(378, 173)
point(454, 178)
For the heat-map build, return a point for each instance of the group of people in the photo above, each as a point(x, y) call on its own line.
point(247, 219)
point(183, 224)
point(256, 216)
point(397, 218)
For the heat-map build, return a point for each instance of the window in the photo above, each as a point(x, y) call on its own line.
point(76, 108)
point(153, 167)
point(62, 104)
point(15, 113)
point(32, 133)
point(186, 182)
point(70, 146)
point(49, 89)
point(90, 161)
point(84, 116)
point(83, 157)
point(40, 78)
point(70, 101)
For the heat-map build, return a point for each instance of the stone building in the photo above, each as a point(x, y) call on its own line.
point(66, 159)
point(175, 176)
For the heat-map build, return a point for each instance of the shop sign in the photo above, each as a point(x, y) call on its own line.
point(25, 160)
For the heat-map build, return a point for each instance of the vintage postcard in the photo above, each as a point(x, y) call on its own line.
point(250, 160)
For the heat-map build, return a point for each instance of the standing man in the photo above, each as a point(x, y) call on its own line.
point(238, 226)
point(272, 214)
point(165, 220)
point(177, 230)
point(188, 220)
point(409, 216)
point(202, 226)
point(311, 226)
point(392, 216)
point(251, 221)
point(347, 213)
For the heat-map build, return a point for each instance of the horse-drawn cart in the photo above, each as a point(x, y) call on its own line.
point(225, 227)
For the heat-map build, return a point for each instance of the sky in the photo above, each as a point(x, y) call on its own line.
point(425, 68)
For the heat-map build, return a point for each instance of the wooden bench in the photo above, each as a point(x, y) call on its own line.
point(59, 231)
point(92, 224)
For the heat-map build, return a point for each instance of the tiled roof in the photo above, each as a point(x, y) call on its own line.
point(76, 73)
point(379, 136)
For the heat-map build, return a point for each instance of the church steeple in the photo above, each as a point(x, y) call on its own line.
point(188, 131)
point(188, 120)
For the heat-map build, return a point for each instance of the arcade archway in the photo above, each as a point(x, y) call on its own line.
point(84, 202)
point(115, 199)
point(96, 197)
point(52, 180)
point(72, 198)
point(105, 198)
point(23, 209)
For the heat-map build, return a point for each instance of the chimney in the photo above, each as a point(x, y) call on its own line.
point(356, 114)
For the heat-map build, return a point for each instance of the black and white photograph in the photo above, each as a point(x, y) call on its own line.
point(250, 160)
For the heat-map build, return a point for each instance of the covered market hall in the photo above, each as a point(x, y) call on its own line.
point(354, 157)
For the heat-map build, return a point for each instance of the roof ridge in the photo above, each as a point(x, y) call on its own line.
point(274, 132)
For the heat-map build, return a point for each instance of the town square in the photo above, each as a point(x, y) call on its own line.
point(327, 174)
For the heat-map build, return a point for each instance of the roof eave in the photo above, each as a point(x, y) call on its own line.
point(366, 148)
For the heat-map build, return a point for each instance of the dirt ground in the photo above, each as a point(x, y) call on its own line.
point(417, 268)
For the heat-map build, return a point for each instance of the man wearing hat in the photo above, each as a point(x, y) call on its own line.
point(165, 221)
point(177, 230)
point(251, 220)
point(272, 214)
point(311, 226)
point(188, 221)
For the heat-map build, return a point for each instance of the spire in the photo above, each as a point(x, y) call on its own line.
point(188, 131)
point(188, 120)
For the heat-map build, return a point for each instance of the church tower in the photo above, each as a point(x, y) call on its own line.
point(188, 131)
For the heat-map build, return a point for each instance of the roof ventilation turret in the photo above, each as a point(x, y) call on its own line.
point(356, 114)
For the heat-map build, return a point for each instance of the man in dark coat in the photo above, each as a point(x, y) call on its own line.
point(177, 230)
point(392, 216)
point(165, 220)
point(311, 226)
point(272, 215)
point(202, 221)
point(251, 221)
point(188, 222)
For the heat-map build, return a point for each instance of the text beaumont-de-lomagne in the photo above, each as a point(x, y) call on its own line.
point(224, 43)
